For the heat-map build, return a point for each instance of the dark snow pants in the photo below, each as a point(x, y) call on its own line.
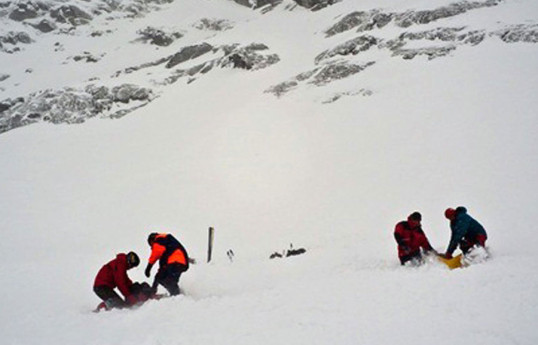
point(467, 243)
point(109, 296)
point(168, 276)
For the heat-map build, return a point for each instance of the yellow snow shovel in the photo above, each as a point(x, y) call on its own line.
point(455, 262)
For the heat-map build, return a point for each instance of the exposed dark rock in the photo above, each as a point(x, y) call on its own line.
point(72, 105)
point(316, 5)
point(45, 26)
point(158, 37)
point(282, 88)
point(87, 57)
point(449, 39)
point(351, 47)
point(70, 14)
point(365, 21)
point(337, 71)
point(213, 24)
point(130, 92)
point(27, 10)
point(13, 38)
point(519, 33)
point(248, 57)
point(424, 17)
point(3, 76)
point(337, 96)
point(239, 61)
point(255, 4)
point(189, 53)
point(362, 21)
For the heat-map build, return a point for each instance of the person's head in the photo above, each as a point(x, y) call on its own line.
point(151, 238)
point(132, 260)
point(414, 219)
point(450, 213)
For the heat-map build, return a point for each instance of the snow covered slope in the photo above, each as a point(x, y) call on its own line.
point(274, 125)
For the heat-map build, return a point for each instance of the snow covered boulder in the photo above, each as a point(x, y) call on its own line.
point(44, 26)
point(315, 5)
point(27, 10)
point(188, 53)
point(70, 14)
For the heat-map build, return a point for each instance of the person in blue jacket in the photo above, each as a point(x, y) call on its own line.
point(466, 231)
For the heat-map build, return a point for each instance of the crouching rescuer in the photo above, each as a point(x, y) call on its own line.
point(411, 239)
point(173, 261)
point(114, 274)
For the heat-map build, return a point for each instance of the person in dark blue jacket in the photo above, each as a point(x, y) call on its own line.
point(466, 231)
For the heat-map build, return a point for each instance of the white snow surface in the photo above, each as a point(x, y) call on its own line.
point(265, 172)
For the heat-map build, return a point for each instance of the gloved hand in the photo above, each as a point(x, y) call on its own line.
point(148, 270)
point(446, 255)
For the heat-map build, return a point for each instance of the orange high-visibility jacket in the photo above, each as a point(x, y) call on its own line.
point(167, 249)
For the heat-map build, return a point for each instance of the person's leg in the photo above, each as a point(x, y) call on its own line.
point(465, 245)
point(168, 277)
point(413, 257)
point(109, 296)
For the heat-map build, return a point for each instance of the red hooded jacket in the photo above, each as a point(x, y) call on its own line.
point(410, 240)
point(114, 274)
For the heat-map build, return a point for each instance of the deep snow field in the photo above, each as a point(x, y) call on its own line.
point(267, 171)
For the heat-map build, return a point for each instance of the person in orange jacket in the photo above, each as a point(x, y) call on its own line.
point(173, 261)
point(112, 275)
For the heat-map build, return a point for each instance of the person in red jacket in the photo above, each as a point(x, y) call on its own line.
point(112, 275)
point(173, 260)
point(411, 238)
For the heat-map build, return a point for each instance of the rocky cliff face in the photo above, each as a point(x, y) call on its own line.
point(354, 36)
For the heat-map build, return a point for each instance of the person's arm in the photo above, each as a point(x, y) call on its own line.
point(402, 241)
point(122, 279)
point(458, 231)
point(157, 251)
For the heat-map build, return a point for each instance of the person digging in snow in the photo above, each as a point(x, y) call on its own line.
point(466, 231)
point(173, 261)
point(114, 274)
point(411, 238)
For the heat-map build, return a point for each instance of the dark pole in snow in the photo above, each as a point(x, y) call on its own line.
point(210, 243)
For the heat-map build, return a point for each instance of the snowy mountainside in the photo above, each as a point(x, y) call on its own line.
point(98, 86)
point(314, 123)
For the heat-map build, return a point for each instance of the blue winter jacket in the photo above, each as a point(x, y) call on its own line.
point(463, 226)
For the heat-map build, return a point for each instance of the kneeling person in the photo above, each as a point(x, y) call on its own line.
point(112, 275)
point(411, 238)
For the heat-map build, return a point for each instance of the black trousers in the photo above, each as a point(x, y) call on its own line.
point(413, 256)
point(109, 296)
point(168, 276)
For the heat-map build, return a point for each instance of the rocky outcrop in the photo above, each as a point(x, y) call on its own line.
point(70, 14)
point(365, 21)
point(255, 4)
point(351, 47)
point(313, 5)
point(189, 53)
point(320, 76)
point(213, 24)
point(72, 105)
point(250, 57)
point(448, 40)
point(23, 10)
point(44, 25)
point(519, 33)
point(158, 37)
point(316, 5)
point(10, 41)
